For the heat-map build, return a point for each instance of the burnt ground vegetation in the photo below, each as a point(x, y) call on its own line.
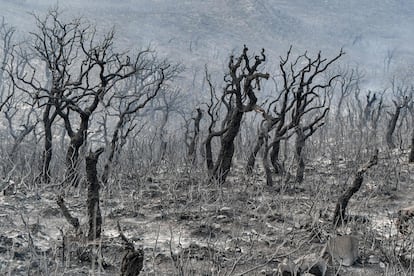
point(109, 168)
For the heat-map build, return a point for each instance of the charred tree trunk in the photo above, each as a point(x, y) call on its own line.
point(72, 155)
point(339, 214)
point(47, 154)
point(163, 148)
point(252, 158)
point(48, 145)
point(71, 219)
point(132, 262)
point(94, 212)
point(299, 145)
point(391, 127)
point(112, 150)
point(225, 156)
point(411, 157)
point(266, 166)
point(242, 81)
point(72, 159)
point(274, 156)
point(192, 153)
point(209, 154)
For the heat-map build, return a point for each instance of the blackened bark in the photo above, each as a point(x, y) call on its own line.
point(274, 156)
point(268, 171)
point(411, 157)
point(132, 262)
point(94, 212)
point(164, 143)
point(209, 154)
point(163, 149)
point(114, 141)
point(48, 144)
point(391, 127)
point(72, 154)
point(208, 149)
point(47, 153)
point(192, 154)
point(339, 214)
point(72, 159)
point(252, 158)
point(299, 145)
point(239, 97)
point(71, 219)
point(225, 156)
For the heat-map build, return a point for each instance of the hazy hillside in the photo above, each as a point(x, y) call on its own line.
point(199, 32)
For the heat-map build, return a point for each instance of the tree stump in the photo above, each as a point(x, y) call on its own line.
point(132, 262)
point(343, 249)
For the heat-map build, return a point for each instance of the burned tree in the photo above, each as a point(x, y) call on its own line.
point(392, 123)
point(309, 94)
point(213, 115)
point(55, 46)
point(100, 69)
point(347, 83)
point(242, 82)
point(21, 119)
point(6, 48)
point(131, 97)
point(82, 70)
point(303, 94)
point(401, 102)
point(339, 214)
point(13, 105)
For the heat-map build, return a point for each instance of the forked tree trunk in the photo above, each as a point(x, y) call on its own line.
point(225, 156)
point(94, 212)
point(72, 155)
point(72, 159)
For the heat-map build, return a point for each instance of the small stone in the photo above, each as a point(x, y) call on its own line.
point(344, 249)
point(382, 265)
